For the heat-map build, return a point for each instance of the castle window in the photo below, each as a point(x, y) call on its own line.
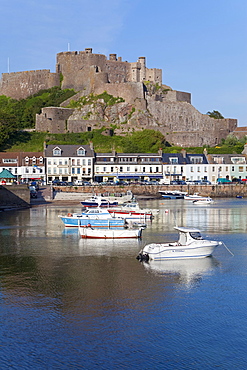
point(81, 151)
point(57, 151)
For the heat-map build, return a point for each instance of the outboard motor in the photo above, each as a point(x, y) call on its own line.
point(142, 257)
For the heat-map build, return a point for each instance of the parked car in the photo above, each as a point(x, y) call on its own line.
point(223, 181)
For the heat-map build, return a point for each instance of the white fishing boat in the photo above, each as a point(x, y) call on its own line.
point(109, 233)
point(172, 194)
point(194, 196)
point(189, 245)
point(108, 200)
point(133, 211)
point(203, 201)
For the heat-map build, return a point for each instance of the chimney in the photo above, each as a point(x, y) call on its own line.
point(183, 151)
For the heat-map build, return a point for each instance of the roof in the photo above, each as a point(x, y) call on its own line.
point(187, 229)
point(6, 174)
point(69, 150)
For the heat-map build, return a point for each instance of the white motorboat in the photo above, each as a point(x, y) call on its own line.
point(116, 233)
point(203, 201)
point(194, 196)
point(189, 245)
point(172, 194)
point(108, 200)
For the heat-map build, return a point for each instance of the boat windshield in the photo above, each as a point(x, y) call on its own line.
point(196, 235)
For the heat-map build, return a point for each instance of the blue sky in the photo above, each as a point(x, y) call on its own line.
point(200, 45)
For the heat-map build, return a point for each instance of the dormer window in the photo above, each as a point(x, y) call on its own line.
point(57, 151)
point(40, 159)
point(81, 151)
point(237, 160)
point(34, 159)
point(173, 160)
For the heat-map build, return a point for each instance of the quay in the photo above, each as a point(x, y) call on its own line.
point(18, 196)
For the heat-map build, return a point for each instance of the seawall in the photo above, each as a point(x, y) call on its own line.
point(14, 197)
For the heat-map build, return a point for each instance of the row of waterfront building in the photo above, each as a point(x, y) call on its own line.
point(79, 163)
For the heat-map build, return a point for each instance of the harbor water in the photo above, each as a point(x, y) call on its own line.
point(71, 303)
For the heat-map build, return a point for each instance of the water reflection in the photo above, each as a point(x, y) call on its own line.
point(189, 271)
point(101, 247)
point(222, 216)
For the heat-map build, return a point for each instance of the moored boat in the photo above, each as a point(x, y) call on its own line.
point(189, 245)
point(133, 211)
point(108, 201)
point(203, 201)
point(172, 194)
point(109, 233)
point(194, 196)
point(95, 217)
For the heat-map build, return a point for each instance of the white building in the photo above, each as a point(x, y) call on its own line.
point(70, 163)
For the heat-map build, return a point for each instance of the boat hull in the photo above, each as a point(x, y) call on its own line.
point(130, 215)
point(91, 233)
point(159, 252)
point(94, 222)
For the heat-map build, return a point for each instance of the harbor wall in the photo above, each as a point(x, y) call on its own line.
point(214, 191)
point(14, 197)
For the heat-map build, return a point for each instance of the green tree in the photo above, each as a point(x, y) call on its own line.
point(7, 127)
point(215, 114)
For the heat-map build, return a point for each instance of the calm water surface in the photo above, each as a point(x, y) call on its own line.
point(68, 303)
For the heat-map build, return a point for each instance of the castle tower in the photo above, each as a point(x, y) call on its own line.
point(142, 62)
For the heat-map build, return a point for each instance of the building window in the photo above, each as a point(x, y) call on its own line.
point(233, 168)
point(191, 169)
point(213, 169)
point(121, 169)
point(49, 170)
point(60, 171)
point(9, 160)
point(128, 169)
point(57, 151)
point(80, 151)
point(73, 170)
point(173, 160)
point(60, 162)
point(49, 162)
point(78, 162)
point(157, 169)
point(78, 170)
point(143, 169)
point(104, 169)
point(241, 169)
point(89, 162)
point(198, 169)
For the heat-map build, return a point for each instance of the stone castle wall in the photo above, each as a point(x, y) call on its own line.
point(20, 85)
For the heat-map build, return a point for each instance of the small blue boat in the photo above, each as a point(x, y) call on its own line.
point(95, 218)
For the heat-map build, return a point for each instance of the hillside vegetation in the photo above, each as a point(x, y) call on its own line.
point(16, 116)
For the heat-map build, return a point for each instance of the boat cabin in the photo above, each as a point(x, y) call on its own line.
point(188, 235)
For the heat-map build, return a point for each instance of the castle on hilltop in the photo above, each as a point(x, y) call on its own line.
point(148, 103)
